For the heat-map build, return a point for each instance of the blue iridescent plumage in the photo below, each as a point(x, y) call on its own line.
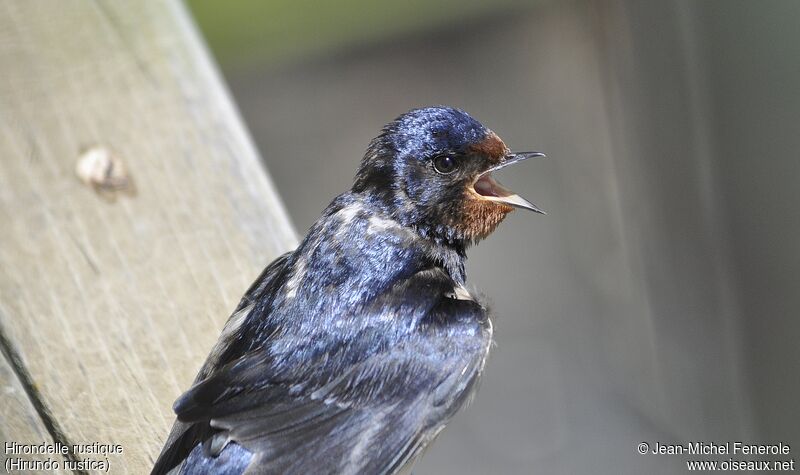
point(349, 354)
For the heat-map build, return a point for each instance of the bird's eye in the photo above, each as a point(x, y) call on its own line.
point(444, 164)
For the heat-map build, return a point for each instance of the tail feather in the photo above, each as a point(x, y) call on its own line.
point(181, 441)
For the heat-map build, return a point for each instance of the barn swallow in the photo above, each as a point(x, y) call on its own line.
point(351, 353)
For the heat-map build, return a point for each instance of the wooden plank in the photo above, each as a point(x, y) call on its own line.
point(21, 423)
point(113, 299)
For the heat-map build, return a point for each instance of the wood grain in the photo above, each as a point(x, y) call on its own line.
point(113, 302)
point(21, 422)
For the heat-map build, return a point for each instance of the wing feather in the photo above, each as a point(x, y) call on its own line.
point(373, 415)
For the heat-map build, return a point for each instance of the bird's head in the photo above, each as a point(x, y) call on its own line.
point(431, 168)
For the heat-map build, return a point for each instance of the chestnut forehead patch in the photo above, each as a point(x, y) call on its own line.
point(491, 146)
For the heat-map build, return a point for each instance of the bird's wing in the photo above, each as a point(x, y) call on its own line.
point(184, 436)
point(372, 415)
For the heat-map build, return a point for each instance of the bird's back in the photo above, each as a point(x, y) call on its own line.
point(346, 356)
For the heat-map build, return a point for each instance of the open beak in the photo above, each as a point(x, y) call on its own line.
point(490, 189)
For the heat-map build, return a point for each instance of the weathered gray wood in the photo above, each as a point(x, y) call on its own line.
point(113, 300)
point(20, 421)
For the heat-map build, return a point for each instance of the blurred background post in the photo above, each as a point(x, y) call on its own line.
point(658, 300)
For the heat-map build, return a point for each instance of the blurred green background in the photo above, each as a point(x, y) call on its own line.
point(658, 299)
point(244, 34)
